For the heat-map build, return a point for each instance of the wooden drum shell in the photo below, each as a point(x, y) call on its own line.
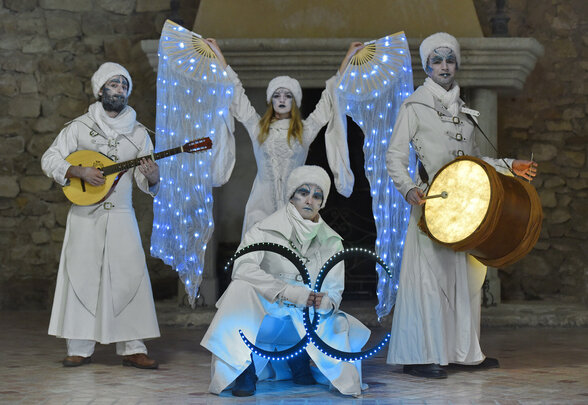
point(512, 223)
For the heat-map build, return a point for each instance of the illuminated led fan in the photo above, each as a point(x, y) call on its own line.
point(372, 88)
point(193, 99)
point(375, 67)
point(189, 53)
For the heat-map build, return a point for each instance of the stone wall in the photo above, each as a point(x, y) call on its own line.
point(548, 119)
point(50, 48)
point(48, 51)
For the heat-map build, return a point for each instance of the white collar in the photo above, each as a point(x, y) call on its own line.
point(450, 99)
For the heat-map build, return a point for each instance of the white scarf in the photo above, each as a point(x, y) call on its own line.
point(123, 123)
point(305, 230)
point(449, 99)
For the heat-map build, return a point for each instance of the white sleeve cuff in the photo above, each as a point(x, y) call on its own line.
point(295, 294)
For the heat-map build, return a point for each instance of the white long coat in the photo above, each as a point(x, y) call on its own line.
point(103, 292)
point(258, 279)
point(437, 313)
point(275, 158)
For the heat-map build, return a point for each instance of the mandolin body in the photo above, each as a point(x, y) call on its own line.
point(81, 193)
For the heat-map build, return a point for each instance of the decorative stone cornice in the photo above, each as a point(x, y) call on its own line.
point(501, 64)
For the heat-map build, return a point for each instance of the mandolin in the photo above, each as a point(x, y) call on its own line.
point(81, 193)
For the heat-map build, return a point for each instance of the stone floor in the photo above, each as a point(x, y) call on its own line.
point(539, 365)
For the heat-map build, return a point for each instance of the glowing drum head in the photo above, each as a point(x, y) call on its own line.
point(458, 216)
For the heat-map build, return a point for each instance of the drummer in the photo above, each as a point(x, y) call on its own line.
point(437, 316)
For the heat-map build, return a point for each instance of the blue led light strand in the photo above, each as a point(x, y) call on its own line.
point(182, 210)
point(311, 326)
point(289, 254)
point(371, 93)
point(289, 353)
point(275, 248)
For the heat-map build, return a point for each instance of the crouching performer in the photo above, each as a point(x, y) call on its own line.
point(266, 299)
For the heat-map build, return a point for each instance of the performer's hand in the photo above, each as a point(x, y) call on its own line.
point(415, 196)
point(150, 170)
point(527, 169)
point(90, 175)
point(353, 49)
point(318, 297)
point(311, 298)
point(322, 303)
point(216, 49)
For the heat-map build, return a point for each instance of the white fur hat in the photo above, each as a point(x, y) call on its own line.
point(439, 40)
point(286, 82)
point(308, 175)
point(105, 72)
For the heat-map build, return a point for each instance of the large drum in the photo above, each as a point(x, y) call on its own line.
point(495, 218)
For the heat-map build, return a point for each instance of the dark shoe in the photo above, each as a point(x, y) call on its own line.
point(300, 366)
point(75, 361)
point(488, 363)
point(139, 360)
point(245, 383)
point(425, 370)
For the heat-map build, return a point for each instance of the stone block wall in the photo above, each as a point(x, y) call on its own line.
point(548, 119)
point(49, 49)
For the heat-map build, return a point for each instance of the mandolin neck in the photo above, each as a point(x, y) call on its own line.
point(129, 164)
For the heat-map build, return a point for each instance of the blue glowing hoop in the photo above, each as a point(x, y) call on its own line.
point(297, 262)
point(311, 325)
point(314, 338)
point(275, 248)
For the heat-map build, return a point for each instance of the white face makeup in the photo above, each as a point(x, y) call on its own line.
point(442, 66)
point(114, 94)
point(282, 103)
point(308, 199)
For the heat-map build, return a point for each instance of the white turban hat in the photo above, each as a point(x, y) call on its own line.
point(439, 40)
point(308, 175)
point(105, 72)
point(286, 82)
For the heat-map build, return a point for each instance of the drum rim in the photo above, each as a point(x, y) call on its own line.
point(494, 205)
point(532, 232)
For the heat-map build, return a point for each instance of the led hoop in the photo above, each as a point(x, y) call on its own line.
point(297, 262)
point(275, 248)
point(314, 338)
point(289, 353)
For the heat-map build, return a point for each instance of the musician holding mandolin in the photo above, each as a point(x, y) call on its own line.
point(437, 315)
point(103, 292)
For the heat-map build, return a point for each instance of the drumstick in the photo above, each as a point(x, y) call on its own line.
point(442, 195)
point(529, 180)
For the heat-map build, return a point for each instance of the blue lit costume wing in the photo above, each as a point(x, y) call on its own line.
point(372, 89)
point(193, 99)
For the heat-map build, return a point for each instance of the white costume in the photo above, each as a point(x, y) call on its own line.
point(103, 292)
point(276, 158)
point(261, 282)
point(437, 313)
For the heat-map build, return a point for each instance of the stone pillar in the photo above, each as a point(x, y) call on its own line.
point(486, 101)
